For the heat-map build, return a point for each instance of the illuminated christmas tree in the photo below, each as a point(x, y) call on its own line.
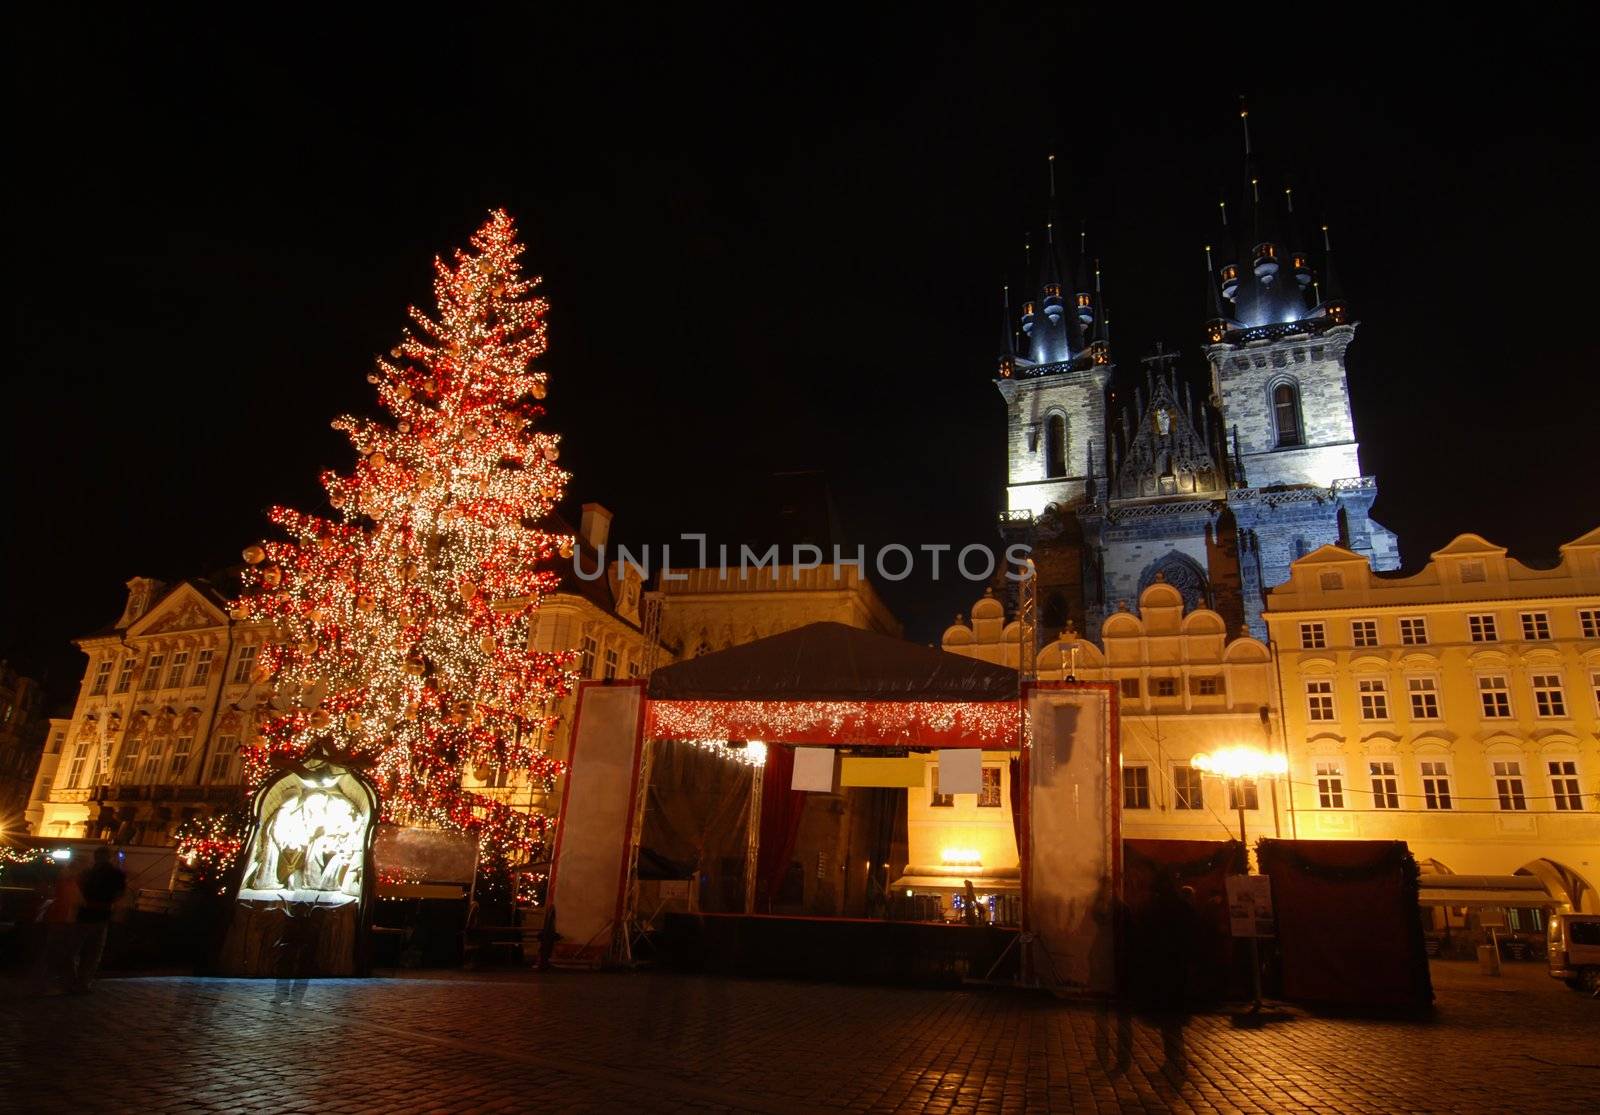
point(402, 615)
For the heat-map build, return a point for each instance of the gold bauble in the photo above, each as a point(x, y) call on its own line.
point(364, 603)
point(395, 352)
point(404, 391)
point(254, 555)
point(416, 665)
point(352, 721)
point(378, 459)
point(566, 547)
point(468, 590)
point(320, 718)
point(481, 772)
point(538, 391)
point(272, 576)
point(488, 644)
point(552, 453)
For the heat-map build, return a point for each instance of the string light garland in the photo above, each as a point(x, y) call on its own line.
point(208, 846)
point(388, 640)
point(889, 723)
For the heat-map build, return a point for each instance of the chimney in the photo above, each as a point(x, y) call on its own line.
point(596, 525)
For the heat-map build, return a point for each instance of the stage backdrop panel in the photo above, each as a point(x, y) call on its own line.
point(1073, 815)
point(813, 769)
point(596, 817)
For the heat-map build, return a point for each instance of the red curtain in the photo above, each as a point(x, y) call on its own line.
point(781, 809)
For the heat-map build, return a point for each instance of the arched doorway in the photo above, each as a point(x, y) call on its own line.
point(1564, 884)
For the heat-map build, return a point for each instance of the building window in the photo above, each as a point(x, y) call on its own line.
point(937, 799)
point(1548, 697)
point(1435, 785)
point(1413, 631)
point(102, 679)
point(1164, 687)
point(125, 675)
point(586, 654)
point(129, 760)
point(1207, 686)
point(1313, 636)
point(610, 664)
point(1130, 689)
point(1495, 694)
point(1564, 785)
point(1243, 790)
point(633, 665)
point(1364, 632)
point(1424, 698)
point(56, 740)
point(202, 667)
point(1374, 698)
point(1330, 785)
point(244, 664)
point(989, 795)
point(1286, 415)
point(180, 756)
point(1186, 791)
point(80, 759)
point(1055, 446)
point(152, 672)
point(1136, 787)
point(152, 761)
point(1535, 626)
point(180, 664)
point(1385, 785)
point(1508, 785)
point(1594, 684)
point(222, 761)
point(1589, 622)
point(1481, 628)
point(1319, 700)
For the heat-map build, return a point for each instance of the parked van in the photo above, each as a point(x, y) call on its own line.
point(1574, 953)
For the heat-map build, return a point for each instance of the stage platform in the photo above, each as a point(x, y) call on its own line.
point(842, 950)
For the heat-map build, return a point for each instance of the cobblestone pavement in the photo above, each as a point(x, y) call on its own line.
point(657, 1042)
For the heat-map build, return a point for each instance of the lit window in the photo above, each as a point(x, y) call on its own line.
point(102, 679)
point(1548, 697)
point(1136, 787)
point(1243, 790)
point(202, 667)
point(80, 759)
point(1130, 688)
point(1481, 628)
point(1330, 785)
point(1508, 785)
point(180, 756)
point(1186, 792)
point(1286, 415)
point(1207, 686)
point(1385, 784)
point(1424, 698)
point(989, 795)
point(1564, 785)
point(586, 656)
point(1435, 785)
point(1313, 636)
point(1589, 622)
point(1364, 632)
point(1164, 687)
point(1413, 631)
point(1495, 694)
point(1535, 626)
point(1319, 699)
point(180, 664)
point(1374, 698)
point(610, 664)
point(152, 672)
point(244, 664)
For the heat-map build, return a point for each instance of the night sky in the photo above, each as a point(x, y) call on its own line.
point(769, 245)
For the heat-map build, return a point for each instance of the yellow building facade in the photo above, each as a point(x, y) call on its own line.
point(1457, 709)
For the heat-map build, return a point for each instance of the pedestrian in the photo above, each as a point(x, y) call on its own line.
point(100, 887)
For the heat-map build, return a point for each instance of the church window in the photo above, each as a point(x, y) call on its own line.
point(1495, 694)
point(152, 671)
point(245, 663)
point(1413, 631)
point(1313, 636)
point(102, 679)
point(1385, 784)
point(1186, 791)
point(1424, 698)
point(1330, 785)
point(1482, 629)
point(1055, 446)
point(125, 675)
point(1136, 787)
point(1535, 626)
point(1435, 784)
point(1286, 415)
point(1364, 632)
point(1548, 696)
point(1589, 622)
point(1564, 785)
point(1374, 698)
point(1319, 700)
point(1130, 688)
point(1508, 786)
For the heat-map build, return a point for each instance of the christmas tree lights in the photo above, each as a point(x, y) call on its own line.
point(401, 617)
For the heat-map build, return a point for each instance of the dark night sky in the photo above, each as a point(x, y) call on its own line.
point(769, 245)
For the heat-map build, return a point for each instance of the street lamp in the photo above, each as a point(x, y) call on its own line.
point(1238, 765)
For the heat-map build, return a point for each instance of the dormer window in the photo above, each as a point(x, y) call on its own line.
point(1286, 416)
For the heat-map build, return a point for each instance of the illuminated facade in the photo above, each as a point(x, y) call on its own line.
point(1118, 481)
point(1457, 709)
point(22, 739)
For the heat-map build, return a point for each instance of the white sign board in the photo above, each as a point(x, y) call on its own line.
point(813, 770)
point(1250, 906)
point(960, 770)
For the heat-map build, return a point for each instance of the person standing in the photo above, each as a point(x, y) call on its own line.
point(100, 887)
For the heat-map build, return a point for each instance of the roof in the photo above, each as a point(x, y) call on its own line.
point(833, 662)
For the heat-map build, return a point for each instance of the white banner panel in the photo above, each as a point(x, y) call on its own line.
point(1072, 819)
point(586, 883)
point(960, 770)
point(813, 769)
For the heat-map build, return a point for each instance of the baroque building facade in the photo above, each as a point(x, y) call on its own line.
point(23, 731)
point(1214, 492)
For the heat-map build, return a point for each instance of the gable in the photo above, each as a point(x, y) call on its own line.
point(1166, 455)
point(185, 608)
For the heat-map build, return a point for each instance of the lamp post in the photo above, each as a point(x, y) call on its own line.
point(1237, 766)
